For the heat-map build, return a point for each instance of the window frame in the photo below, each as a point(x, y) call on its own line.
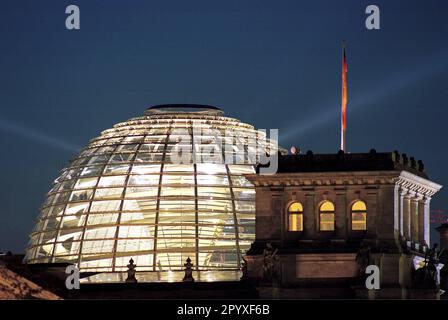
point(297, 214)
point(358, 211)
point(327, 212)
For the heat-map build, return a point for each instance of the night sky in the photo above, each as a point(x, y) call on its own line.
point(274, 64)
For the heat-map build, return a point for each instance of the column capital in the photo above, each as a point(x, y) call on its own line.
point(403, 191)
point(411, 194)
point(418, 197)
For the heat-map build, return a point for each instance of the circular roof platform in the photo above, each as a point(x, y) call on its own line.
point(184, 108)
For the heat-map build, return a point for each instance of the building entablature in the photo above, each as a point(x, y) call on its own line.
point(408, 183)
point(416, 186)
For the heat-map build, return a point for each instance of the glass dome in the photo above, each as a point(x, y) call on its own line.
point(124, 197)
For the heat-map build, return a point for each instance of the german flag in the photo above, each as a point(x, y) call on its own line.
point(344, 98)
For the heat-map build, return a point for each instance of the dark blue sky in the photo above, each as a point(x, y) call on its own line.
point(274, 64)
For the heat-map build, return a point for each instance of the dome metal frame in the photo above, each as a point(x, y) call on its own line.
point(122, 198)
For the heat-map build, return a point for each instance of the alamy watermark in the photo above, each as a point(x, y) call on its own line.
point(373, 278)
point(373, 20)
point(73, 21)
point(208, 145)
point(72, 280)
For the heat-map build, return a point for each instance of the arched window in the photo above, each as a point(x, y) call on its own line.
point(326, 213)
point(295, 217)
point(359, 216)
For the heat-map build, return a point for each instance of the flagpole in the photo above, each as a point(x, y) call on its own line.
point(344, 98)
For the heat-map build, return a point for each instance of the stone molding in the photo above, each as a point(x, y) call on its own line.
point(409, 183)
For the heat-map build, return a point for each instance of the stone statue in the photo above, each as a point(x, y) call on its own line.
point(131, 272)
point(404, 244)
point(244, 269)
point(432, 259)
point(363, 259)
point(428, 276)
point(188, 271)
point(270, 263)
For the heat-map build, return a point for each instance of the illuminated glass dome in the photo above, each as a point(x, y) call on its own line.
point(124, 197)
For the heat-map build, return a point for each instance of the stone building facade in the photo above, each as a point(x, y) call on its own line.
point(321, 219)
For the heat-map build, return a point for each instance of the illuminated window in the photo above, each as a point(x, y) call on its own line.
point(359, 216)
point(295, 217)
point(326, 213)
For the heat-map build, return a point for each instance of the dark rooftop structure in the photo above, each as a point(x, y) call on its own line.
point(339, 162)
point(184, 108)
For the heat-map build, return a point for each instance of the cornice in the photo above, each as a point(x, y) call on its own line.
point(411, 183)
point(404, 180)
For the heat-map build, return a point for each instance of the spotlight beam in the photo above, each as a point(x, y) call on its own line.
point(33, 135)
point(361, 100)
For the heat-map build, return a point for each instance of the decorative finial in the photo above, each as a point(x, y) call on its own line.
point(294, 150)
point(131, 272)
point(188, 271)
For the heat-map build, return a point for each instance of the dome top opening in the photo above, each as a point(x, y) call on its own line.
point(184, 108)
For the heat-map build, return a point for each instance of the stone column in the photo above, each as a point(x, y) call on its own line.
point(421, 221)
point(424, 220)
point(384, 218)
point(372, 208)
point(407, 217)
point(414, 220)
point(278, 214)
point(443, 231)
point(309, 215)
point(267, 219)
point(341, 214)
point(401, 194)
point(397, 220)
